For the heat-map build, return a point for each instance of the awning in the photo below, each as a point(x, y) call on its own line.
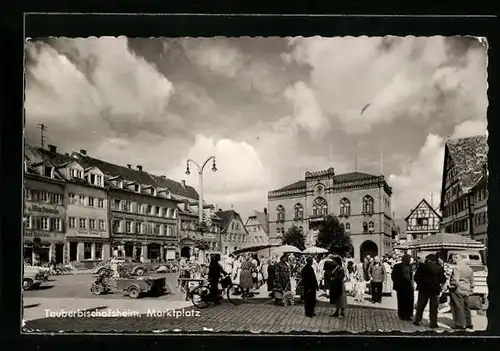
point(254, 248)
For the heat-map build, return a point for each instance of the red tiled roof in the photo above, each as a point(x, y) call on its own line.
point(469, 156)
point(339, 178)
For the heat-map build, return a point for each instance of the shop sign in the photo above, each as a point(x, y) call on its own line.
point(35, 208)
point(43, 235)
point(89, 232)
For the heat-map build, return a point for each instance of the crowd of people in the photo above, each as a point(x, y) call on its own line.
point(338, 277)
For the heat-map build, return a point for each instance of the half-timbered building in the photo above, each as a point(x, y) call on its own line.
point(423, 220)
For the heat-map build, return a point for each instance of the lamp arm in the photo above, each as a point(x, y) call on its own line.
point(195, 163)
point(204, 164)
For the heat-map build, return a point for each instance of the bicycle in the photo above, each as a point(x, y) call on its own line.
point(201, 297)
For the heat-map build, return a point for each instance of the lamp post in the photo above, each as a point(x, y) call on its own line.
point(200, 172)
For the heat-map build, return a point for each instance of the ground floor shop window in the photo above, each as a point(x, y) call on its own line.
point(87, 251)
point(28, 253)
point(98, 251)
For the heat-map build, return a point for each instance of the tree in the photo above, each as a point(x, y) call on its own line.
point(333, 237)
point(295, 237)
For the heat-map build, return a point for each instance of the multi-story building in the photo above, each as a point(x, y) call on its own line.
point(464, 161)
point(257, 227)
point(189, 234)
point(361, 201)
point(234, 235)
point(87, 233)
point(479, 208)
point(44, 209)
point(142, 211)
point(423, 220)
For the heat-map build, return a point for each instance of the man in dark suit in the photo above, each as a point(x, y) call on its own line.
point(310, 284)
point(429, 278)
point(402, 279)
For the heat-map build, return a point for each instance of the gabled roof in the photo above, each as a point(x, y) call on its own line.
point(227, 217)
point(424, 201)
point(339, 178)
point(263, 219)
point(469, 156)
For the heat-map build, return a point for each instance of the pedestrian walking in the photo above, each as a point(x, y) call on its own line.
point(461, 287)
point(429, 278)
point(282, 275)
point(246, 281)
point(338, 296)
point(402, 279)
point(328, 268)
point(377, 276)
point(310, 284)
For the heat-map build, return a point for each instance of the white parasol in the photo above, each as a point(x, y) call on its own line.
point(286, 249)
point(315, 250)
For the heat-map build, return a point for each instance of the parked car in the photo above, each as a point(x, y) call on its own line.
point(135, 267)
point(44, 271)
point(32, 279)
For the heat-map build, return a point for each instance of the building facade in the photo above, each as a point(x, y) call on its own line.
point(361, 201)
point(423, 220)
point(479, 208)
point(464, 161)
point(257, 227)
point(234, 235)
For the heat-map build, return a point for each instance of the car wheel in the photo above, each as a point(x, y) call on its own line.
point(97, 289)
point(133, 292)
point(139, 272)
point(27, 284)
point(102, 271)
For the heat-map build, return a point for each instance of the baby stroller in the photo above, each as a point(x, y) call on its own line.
point(284, 297)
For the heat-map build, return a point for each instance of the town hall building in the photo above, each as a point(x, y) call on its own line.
point(361, 201)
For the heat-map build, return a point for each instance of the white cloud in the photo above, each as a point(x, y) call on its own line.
point(240, 177)
point(420, 178)
point(470, 128)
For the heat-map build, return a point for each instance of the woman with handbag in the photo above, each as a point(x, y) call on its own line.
point(338, 296)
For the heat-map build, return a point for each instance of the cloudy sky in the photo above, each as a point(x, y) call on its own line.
point(268, 108)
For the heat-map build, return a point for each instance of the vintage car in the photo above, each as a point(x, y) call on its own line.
point(135, 267)
point(32, 279)
point(44, 271)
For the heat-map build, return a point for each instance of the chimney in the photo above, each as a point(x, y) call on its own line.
point(163, 177)
point(139, 167)
point(183, 183)
point(265, 210)
point(129, 166)
point(52, 148)
point(83, 152)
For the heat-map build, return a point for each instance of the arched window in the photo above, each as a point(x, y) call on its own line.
point(348, 227)
point(342, 226)
point(368, 204)
point(365, 227)
point(299, 211)
point(278, 230)
point(371, 226)
point(280, 213)
point(282, 231)
point(320, 207)
point(345, 207)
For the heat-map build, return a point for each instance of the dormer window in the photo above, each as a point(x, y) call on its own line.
point(152, 191)
point(137, 188)
point(76, 173)
point(48, 171)
point(120, 184)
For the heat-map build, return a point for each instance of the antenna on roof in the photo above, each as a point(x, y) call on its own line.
point(356, 157)
point(381, 160)
point(330, 156)
point(42, 128)
point(432, 200)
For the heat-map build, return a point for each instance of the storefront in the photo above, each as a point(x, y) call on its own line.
point(41, 246)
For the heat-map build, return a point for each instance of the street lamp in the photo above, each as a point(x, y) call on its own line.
point(200, 172)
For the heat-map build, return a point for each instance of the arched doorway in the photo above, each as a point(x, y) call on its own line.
point(186, 251)
point(368, 247)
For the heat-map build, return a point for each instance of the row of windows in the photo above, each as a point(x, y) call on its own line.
point(234, 237)
point(94, 179)
point(456, 207)
point(481, 194)
point(320, 208)
point(254, 229)
point(87, 201)
point(142, 189)
point(135, 207)
point(44, 223)
point(138, 227)
point(458, 226)
point(367, 227)
point(258, 239)
point(92, 251)
point(480, 218)
point(190, 225)
point(86, 223)
point(452, 192)
point(43, 196)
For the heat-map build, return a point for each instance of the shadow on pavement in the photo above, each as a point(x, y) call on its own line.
point(32, 305)
point(45, 287)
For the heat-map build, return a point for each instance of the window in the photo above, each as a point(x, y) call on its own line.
point(91, 202)
point(371, 227)
point(57, 224)
point(98, 180)
point(116, 226)
point(87, 251)
point(27, 222)
point(126, 206)
point(57, 199)
point(278, 230)
point(92, 224)
point(149, 209)
point(45, 196)
point(368, 204)
point(27, 194)
point(138, 227)
point(365, 227)
point(137, 188)
point(156, 228)
point(347, 227)
point(47, 171)
point(92, 179)
point(102, 225)
point(345, 207)
point(282, 231)
point(280, 213)
point(128, 226)
point(75, 173)
point(299, 211)
point(157, 210)
point(100, 203)
point(83, 223)
point(98, 251)
point(153, 191)
point(82, 200)
point(45, 223)
point(169, 230)
point(72, 222)
point(320, 207)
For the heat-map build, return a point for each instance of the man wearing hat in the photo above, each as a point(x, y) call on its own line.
point(429, 278)
point(402, 278)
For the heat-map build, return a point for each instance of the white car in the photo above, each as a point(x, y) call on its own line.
point(43, 272)
point(32, 279)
